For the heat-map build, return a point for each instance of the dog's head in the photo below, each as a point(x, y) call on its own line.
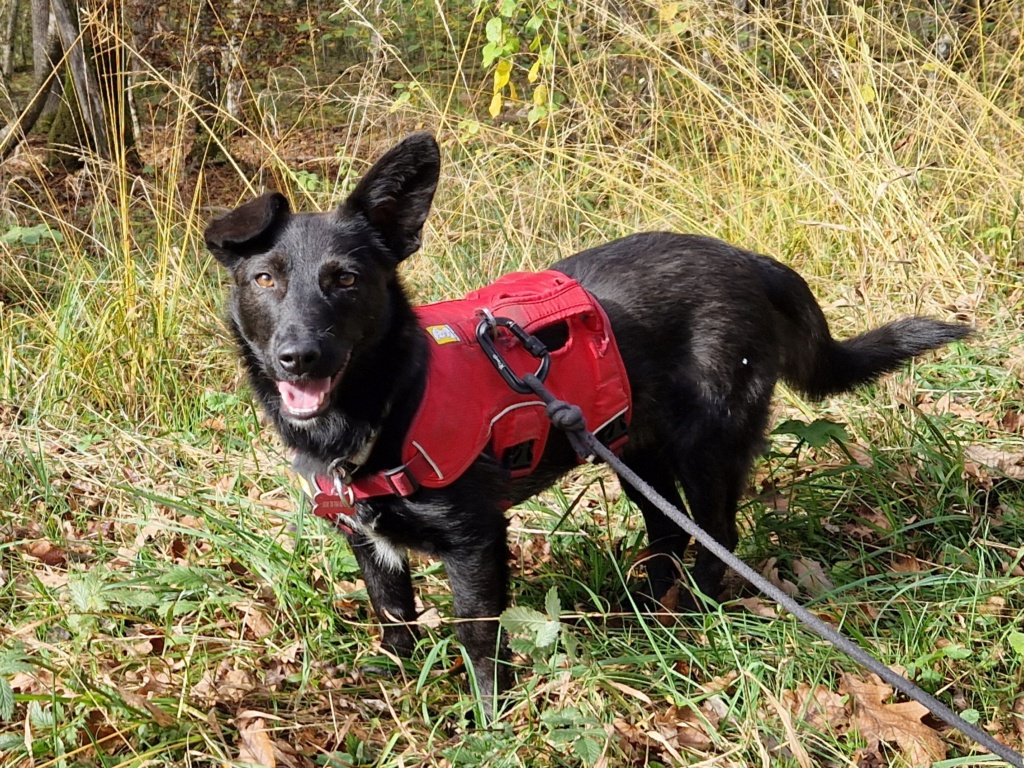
point(312, 291)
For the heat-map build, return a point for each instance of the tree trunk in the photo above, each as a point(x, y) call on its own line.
point(7, 48)
point(18, 128)
point(204, 83)
point(97, 61)
point(45, 54)
point(85, 86)
point(68, 137)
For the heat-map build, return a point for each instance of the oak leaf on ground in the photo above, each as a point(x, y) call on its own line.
point(818, 706)
point(899, 723)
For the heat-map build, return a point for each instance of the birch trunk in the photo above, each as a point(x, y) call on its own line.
point(7, 48)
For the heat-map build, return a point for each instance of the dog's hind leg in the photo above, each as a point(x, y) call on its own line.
point(713, 477)
point(666, 542)
point(389, 585)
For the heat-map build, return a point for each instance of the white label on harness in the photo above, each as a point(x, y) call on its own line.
point(443, 334)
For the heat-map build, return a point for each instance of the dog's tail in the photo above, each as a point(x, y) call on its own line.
point(819, 365)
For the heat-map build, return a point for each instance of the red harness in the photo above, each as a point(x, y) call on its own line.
point(467, 406)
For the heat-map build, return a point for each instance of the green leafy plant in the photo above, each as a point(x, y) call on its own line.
point(12, 661)
point(1016, 642)
point(307, 181)
point(922, 669)
point(569, 727)
point(523, 35)
point(32, 235)
point(816, 434)
point(534, 633)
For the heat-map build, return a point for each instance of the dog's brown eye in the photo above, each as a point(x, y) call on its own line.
point(264, 280)
point(346, 279)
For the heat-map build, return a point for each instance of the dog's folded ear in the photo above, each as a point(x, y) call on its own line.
point(249, 229)
point(395, 194)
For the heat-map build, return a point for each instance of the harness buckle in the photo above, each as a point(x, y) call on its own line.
point(485, 332)
point(401, 481)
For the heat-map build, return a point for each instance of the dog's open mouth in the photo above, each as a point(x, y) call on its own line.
point(307, 398)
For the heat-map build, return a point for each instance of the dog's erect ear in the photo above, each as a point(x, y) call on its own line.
point(395, 194)
point(249, 229)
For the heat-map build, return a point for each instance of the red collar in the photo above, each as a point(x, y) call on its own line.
point(334, 499)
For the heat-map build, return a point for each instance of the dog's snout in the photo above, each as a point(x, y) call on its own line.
point(298, 356)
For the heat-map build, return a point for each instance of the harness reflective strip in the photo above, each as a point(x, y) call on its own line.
point(618, 415)
point(430, 461)
point(516, 406)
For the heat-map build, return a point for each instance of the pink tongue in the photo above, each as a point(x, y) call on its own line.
point(303, 396)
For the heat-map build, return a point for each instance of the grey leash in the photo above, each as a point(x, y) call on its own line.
point(569, 418)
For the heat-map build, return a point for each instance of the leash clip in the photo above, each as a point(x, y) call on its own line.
point(344, 491)
point(340, 473)
point(485, 335)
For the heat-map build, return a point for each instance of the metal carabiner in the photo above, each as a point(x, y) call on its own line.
point(531, 343)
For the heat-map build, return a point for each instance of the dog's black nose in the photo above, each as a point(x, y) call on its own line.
point(298, 356)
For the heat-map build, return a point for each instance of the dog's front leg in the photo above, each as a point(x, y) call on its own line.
point(389, 585)
point(479, 580)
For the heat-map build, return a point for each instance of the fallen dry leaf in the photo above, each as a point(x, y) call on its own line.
point(631, 692)
point(947, 404)
point(683, 728)
point(720, 682)
point(1008, 463)
point(47, 553)
point(256, 622)
point(670, 601)
point(902, 563)
point(1012, 421)
point(770, 571)
point(288, 756)
point(898, 723)
point(875, 518)
point(430, 618)
point(861, 454)
point(140, 702)
point(97, 729)
point(255, 745)
point(225, 685)
point(811, 578)
point(858, 531)
point(818, 706)
point(760, 607)
point(634, 735)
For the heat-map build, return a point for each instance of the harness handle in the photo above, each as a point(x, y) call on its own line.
point(485, 335)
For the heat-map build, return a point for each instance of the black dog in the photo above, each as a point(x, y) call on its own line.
point(338, 360)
